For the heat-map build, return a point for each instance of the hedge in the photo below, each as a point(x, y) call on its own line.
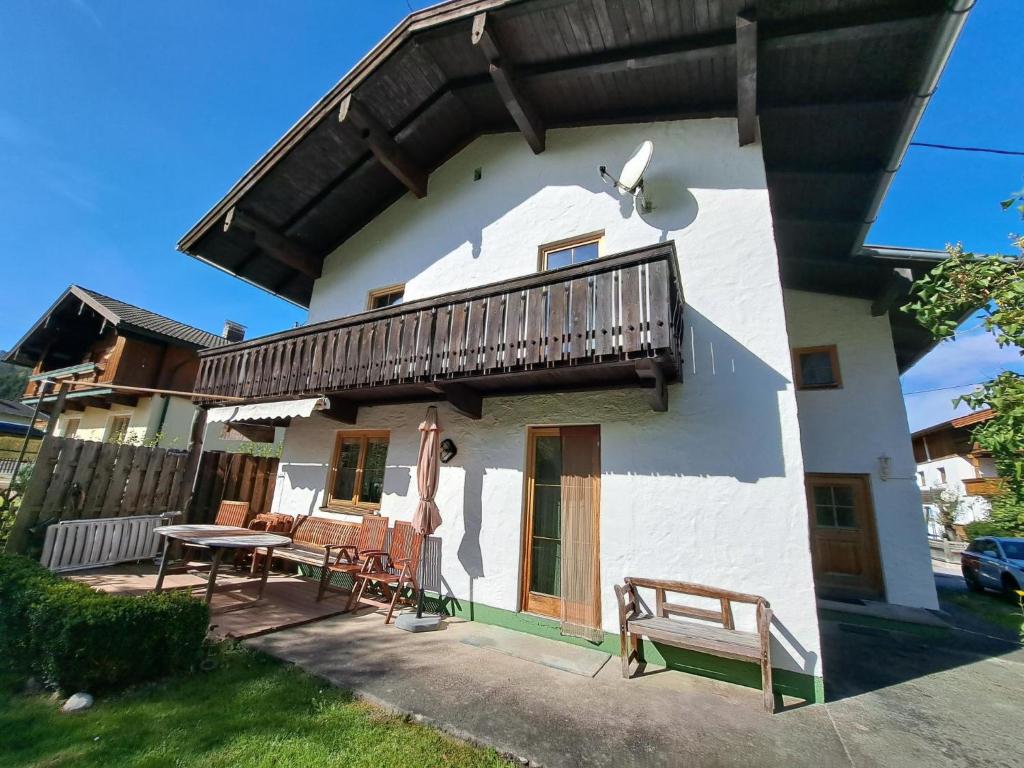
point(76, 639)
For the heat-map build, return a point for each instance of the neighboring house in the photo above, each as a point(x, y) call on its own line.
point(708, 388)
point(16, 419)
point(104, 348)
point(949, 460)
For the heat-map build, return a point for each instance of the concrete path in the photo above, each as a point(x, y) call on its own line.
point(906, 699)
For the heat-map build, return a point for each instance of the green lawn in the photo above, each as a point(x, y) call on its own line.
point(249, 711)
point(989, 606)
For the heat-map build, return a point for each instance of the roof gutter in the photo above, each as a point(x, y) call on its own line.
point(946, 36)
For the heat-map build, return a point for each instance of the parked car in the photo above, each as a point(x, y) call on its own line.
point(996, 563)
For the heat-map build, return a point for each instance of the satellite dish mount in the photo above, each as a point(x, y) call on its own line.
point(631, 178)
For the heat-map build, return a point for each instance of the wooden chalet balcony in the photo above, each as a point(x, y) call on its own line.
point(613, 322)
point(986, 487)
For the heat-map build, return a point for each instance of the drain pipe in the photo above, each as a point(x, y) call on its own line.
point(945, 37)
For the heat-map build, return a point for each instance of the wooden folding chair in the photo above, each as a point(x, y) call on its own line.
point(351, 558)
point(233, 513)
point(392, 571)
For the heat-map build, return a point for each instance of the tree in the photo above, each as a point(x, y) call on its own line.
point(13, 379)
point(947, 503)
point(959, 285)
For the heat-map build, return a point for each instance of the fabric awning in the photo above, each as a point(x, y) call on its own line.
point(277, 413)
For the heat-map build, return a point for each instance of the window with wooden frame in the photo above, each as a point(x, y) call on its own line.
point(817, 368)
point(379, 298)
point(356, 478)
point(117, 429)
point(574, 250)
point(71, 427)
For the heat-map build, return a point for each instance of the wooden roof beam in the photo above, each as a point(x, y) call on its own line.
point(503, 75)
point(387, 151)
point(746, 78)
point(274, 243)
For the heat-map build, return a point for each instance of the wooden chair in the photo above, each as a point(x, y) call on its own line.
point(392, 571)
point(352, 557)
point(725, 641)
point(233, 513)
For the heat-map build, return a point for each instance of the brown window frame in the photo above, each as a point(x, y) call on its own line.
point(376, 293)
point(569, 242)
point(352, 506)
point(833, 353)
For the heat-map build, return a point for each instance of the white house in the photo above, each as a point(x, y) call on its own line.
point(720, 354)
point(948, 460)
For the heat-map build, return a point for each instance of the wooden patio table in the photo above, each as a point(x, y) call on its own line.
point(218, 538)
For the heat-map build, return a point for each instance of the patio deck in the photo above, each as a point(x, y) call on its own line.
point(288, 601)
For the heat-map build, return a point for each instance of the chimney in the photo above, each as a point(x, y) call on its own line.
point(233, 331)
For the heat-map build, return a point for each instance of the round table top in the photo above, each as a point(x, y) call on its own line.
point(229, 536)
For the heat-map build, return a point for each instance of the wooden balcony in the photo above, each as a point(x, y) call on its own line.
point(986, 487)
point(615, 322)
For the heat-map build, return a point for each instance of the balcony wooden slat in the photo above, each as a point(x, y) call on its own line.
point(492, 332)
point(438, 349)
point(632, 319)
point(605, 311)
point(579, 302)
point(457, 338)
point(658, 287)
point(535, 312)
point(513, 327)
point(556, 322)
point(474, 334)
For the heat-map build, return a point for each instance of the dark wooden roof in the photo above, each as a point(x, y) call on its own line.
point(126, 318)
point(840, 85)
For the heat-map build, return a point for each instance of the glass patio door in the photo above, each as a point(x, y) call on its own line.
point(560, 553)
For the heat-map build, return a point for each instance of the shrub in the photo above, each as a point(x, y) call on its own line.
point(986, 528)
point(75, 638)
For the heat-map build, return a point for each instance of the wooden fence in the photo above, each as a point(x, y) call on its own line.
point(234, 476)
point(83, 480)
point(80, 480)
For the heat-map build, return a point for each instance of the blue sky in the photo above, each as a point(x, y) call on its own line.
point(122, 123)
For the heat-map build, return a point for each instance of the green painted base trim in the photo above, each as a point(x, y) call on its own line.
point(339, 580)
point(876, 622)
point(797, 684)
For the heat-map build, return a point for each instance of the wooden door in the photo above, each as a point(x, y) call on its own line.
point(844, 545)
point(551, 452)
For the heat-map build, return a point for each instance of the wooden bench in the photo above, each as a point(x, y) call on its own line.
point(312, 538)
point(724, 641)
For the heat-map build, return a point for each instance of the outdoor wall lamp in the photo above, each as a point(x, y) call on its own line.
point(448, 450)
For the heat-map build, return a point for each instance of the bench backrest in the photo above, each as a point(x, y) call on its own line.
point(233, 513)
point(320, 531)
point(725, 598)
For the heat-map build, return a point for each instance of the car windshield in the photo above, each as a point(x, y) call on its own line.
point(1013, 549)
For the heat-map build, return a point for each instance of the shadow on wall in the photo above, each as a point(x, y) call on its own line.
point(726, 423)
point(470, 556)
point(306, 479)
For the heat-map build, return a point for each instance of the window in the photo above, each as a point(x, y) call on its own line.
point(942, 476)
point(356, 479)
point(920, 479)
point(816, 368)
point(117, 430)
point(385, 297)
point(575, 250)
point(71, 427)
point(834, 506)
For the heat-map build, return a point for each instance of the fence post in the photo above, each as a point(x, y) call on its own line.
point(195, 453)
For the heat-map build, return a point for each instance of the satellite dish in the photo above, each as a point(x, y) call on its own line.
point(631, 178)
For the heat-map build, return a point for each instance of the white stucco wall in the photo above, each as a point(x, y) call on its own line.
point(846, 431)
point(144, 423)
point(711, 491)
point(957, 469)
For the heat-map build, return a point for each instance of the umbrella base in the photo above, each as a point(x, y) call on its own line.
point(411, 623)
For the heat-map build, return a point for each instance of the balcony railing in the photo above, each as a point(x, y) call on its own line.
point(559, 325)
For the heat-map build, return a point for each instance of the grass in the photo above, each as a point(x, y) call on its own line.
point(989, 606)
point(249, 711)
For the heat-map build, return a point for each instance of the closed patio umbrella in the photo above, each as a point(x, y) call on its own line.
point(427, 518)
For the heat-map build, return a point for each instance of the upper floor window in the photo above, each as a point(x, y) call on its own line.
point(357, 470)
point(942, 475)
point(71, 427)
point(575, 250)
point(817, 368)
point(385, 297)
point(117, 431)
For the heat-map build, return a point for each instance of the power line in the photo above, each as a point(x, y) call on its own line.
point(943, 389)
point(954, 148)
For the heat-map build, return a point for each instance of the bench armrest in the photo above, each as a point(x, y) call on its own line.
point(628, 608)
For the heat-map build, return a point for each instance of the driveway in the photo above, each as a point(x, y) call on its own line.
point(898, 695)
